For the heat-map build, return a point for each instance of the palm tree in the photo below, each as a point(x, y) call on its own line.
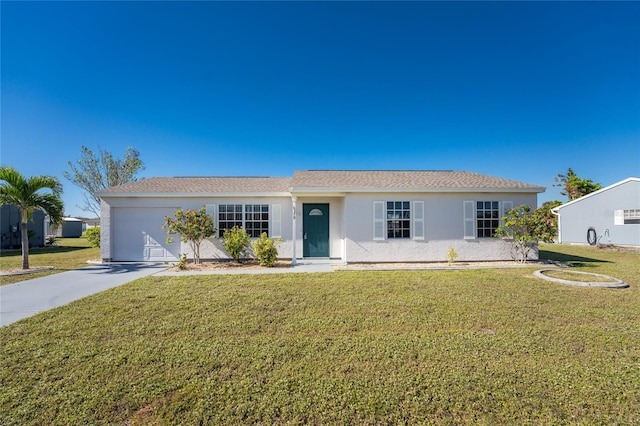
point(27, 195)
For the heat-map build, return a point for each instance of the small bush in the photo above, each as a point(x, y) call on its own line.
point(235, 242)
point(452, 255)
point(182, 261)
point(50, 240)
point(265, 249)
point(93, 236)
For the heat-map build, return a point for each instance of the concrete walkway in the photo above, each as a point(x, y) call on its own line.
point(27, 298)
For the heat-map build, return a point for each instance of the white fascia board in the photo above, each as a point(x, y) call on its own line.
point(312, 193)
point(584, 197)
point(343, 191)
point(191, 194)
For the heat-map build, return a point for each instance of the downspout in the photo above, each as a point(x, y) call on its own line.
point(293, 232)
point(556, 212)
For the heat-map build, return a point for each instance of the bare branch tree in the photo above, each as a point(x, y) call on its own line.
point(94, 172)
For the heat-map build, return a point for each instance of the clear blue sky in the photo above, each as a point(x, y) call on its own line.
point(516, 90)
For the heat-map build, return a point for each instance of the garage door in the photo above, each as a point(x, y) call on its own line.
point(138, 235)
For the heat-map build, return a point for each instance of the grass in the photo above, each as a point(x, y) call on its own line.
point(572, 276)
point(426, 347)
point(70, 253)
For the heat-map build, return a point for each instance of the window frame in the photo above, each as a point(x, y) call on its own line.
point(471, 218)
point(487, 218)
point(398, 220)
point(631, 216)
point(245, 216)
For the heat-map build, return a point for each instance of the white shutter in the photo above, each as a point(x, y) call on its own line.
point(378, 220)
point(618, 217)
point(211, 211)
point(276, 221)
point(469, 220)
point(506, 206)
point(418, 220)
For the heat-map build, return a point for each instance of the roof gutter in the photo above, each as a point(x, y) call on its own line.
point(345, 190)
point(189, 194)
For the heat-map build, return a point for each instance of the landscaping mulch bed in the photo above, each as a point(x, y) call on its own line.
point(221, 265)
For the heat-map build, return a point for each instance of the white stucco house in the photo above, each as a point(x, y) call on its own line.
point(610, 215)
point(346, 215)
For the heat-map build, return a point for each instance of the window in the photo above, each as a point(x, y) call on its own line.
point(631, 216)
point(487, 218)
point(254, 218)
point(398, 219)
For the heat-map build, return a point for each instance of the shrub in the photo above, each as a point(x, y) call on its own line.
point(182, 261)
point(235, 242)
point(524, 228)
point(93, 236)
point(265, 249)
point(452, 255)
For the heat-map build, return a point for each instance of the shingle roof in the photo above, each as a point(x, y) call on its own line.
point(201, 185)
point(322, 181)
point(402, 179)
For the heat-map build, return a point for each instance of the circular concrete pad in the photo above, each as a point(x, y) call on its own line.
point(612, 283)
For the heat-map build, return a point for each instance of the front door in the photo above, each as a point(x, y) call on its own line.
point(315, 230)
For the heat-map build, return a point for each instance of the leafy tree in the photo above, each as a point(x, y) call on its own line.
point(575, 187)
point(94, 172)
point(546, 222)
point(193, 226)
point(27, 194)
point(524, 229)
point(235, 242)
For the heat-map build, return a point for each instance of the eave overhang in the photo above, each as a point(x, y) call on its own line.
point(191, 194)
point(343, 191)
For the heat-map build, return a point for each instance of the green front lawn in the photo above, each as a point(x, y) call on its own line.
point(442, 347)
point(68, 254)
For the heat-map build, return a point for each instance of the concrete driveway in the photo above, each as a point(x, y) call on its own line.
point(27, 298)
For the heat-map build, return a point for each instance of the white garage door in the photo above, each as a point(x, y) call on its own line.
point(138, 235)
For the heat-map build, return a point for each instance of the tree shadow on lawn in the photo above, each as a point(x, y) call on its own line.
point(571, 259)
point(43, 250)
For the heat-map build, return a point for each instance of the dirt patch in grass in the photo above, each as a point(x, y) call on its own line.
point(20, 271)
point(611, 247)
point(438, 265)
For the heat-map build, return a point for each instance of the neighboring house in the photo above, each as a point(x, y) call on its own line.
point(70, 227)
point(351, 216)
point(10, 228)
point(89, 223)
point(610, 215)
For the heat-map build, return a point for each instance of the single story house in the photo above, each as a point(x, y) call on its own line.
point(346, 215)
point(89, 222)
point(610, 215)
point(71, 227)
point(10, 228)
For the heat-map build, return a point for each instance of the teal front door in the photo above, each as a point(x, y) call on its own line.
point(315, 230)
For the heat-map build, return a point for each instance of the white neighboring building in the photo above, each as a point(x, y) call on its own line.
point(346, 215)
point(610, 215)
